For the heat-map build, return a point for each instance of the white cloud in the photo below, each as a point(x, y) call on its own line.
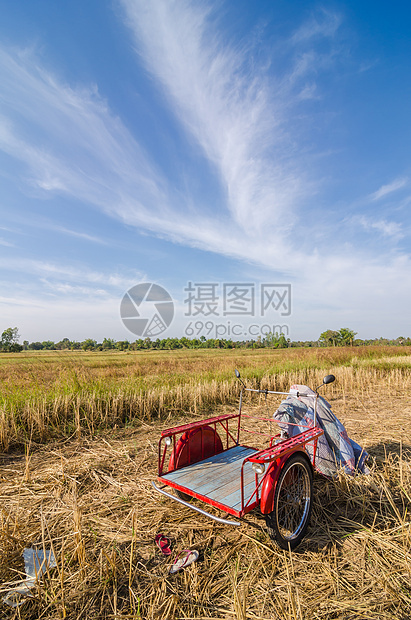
point(6, 243)
point(69, 273)
point(384, 190)
point(384, 227)
point(77, 147)
point(75, 233)
point(74, 144)
point(324, 25)
point(226, 105)
point(71, 143)
point(74, 290)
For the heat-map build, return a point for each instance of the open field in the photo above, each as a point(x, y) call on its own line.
point(54, 394)
point(82, 487)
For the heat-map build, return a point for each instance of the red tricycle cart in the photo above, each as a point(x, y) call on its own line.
point(205, 460)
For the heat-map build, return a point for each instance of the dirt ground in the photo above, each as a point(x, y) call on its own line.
point(90, 500)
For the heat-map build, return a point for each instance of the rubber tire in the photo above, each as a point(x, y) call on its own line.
point(283, 536)
point(183, 496)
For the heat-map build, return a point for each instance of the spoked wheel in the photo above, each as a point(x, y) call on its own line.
point(183, 496)
point(288, 522)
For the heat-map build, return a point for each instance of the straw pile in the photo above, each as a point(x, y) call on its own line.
point(91, 502)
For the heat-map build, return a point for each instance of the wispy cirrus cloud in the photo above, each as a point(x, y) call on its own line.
point(236, 111)
point(74, 290)
point(70, 142)
point(75, 233)
point(227, 105)
point(322, 24)
point(72, 273)
point(389, 188)
point(6, 243)
point(386, 228)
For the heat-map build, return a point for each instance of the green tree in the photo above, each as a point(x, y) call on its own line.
point(10, 340)
point(88, 344)
point(63, 344)
point(36, 346)
point(329, 338)
point(342, 338)
point(346, 336)
point(283, 342)
point(275, 341)
point(271, 340)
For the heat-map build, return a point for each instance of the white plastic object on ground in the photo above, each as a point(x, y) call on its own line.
point(36, 564)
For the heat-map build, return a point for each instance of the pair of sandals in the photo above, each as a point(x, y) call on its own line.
point(183, 559)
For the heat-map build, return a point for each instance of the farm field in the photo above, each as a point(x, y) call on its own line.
point(54, 394)
point(78, 449)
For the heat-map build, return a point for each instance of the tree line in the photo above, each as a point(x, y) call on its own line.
point(10, 338)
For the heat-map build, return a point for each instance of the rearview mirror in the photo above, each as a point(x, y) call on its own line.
point(237, 374)
point(328, 379)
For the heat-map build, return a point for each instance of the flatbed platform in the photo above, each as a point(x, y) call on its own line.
point(217, 480)
point(207, 460)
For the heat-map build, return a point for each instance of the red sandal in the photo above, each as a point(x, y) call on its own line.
point(164, 544)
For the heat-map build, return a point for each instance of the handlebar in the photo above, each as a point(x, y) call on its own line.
point(290, 393)
point(326, 380)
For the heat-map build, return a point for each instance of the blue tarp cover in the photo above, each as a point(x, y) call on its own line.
point(335, 450)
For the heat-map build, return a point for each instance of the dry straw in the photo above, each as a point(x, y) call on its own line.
point(89, 499)
point(58, 395)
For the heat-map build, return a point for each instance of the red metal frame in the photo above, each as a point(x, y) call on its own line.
point(275, 456)
point(206, 500)
point(216, 422)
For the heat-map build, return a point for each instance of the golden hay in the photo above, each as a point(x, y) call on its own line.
point(90, 500)
point(50, 395)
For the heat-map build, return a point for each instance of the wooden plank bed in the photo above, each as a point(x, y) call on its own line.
point(217, 479)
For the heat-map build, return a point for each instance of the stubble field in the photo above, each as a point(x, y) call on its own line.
point(78, 442)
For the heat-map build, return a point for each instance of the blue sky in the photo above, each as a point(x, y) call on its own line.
point(205, 142)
